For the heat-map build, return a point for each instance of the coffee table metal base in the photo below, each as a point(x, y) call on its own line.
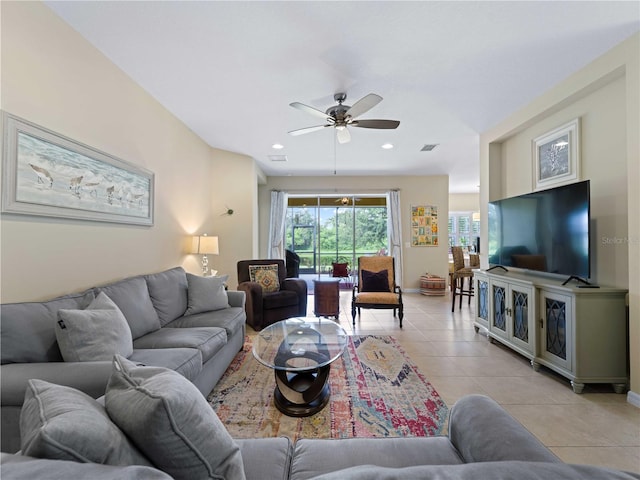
point(302, 394)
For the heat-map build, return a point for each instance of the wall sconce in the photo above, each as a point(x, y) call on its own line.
point(228, 211)
point(204, 245)
point(475, 216)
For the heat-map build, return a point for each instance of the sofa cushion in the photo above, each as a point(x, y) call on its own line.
point(168, 292)
point(60, 422)
point(508, 470)
point(266, 458)
point(266, 276)
point(231, 319)
point(27, 329)
point(209, 340)
point(185, 361)
point(132, 297)
point(206, 294)
point(95, 333)
point(310, 454)
point(20, 467)
point(89, 377)
point(171, 422)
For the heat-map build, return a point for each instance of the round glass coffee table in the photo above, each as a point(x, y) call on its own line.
point(300, 351)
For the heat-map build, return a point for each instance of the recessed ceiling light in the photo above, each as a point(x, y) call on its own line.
point(387, 146)
point(277, 146)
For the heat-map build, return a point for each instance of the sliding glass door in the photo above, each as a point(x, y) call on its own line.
point(326, 229)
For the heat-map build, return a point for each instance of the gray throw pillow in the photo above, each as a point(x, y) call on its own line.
point(63, 423)
point(206, 294)
point(27, 332)
point(133, 299)
point(170, 421)
point(95, 333)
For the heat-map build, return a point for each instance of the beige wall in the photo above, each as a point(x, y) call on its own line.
point(603, 162)
point(237, 233)
point(51, 76)
point(414, 190)
point(464, 202)
point(604, 95)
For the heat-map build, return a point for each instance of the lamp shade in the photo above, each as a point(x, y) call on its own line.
point(205, 245)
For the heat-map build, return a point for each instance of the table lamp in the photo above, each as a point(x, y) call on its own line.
point(204, 245)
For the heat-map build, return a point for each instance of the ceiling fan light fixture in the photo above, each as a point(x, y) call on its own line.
point(341, 116)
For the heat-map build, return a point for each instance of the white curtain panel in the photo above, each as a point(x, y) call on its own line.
point(277, 223)
point(394, 231)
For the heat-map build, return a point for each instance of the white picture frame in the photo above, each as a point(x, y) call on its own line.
point(47, 174)
point(556, 156)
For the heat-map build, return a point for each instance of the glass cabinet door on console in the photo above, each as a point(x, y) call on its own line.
point(511, 314)
point(521, 317)
point(556, 329)
point(482, 301)
point(498, 321)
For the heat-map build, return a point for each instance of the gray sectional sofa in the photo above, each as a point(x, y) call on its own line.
point(171, 325)
point(142, 414)
point(484, 442)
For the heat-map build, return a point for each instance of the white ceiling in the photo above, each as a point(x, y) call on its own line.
point(447, 70)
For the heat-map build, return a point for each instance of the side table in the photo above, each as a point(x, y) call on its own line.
point(326, 295)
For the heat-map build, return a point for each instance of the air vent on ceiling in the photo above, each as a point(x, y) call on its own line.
point(428, 147)
point(278, 158)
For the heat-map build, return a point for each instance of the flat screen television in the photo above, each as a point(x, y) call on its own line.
point(547, 231)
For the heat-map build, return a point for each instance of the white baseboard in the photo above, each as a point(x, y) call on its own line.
point(633, 398)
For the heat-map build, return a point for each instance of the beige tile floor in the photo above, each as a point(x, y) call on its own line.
point(597, 427)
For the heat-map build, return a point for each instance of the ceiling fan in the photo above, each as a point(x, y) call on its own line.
point(341, 116)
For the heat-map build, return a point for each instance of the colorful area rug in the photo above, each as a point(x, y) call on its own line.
point(376, 391)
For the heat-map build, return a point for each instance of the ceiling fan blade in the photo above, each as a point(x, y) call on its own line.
point(384, 124)
point(363, 105)
point(301, 131)
point(311, 110)
point(343, 135)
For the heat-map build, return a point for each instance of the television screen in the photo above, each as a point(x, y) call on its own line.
point(546, 231)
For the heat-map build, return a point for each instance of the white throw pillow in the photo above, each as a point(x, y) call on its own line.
point(171, 422)
point(206, 294)
point(96, 333)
